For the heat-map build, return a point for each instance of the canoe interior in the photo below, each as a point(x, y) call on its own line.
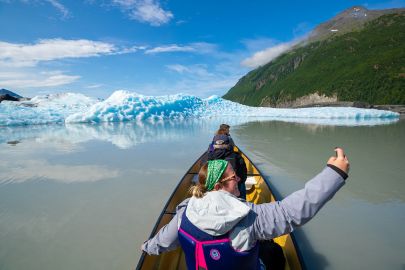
point(259, 193)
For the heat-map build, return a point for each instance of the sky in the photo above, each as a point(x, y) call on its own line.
point(150, 47)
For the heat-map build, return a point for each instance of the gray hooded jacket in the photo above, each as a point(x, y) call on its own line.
point(219, 212)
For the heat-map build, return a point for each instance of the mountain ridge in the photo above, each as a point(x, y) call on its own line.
point(349, 20)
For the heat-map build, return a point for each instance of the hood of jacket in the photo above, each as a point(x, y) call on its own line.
point(217, 212)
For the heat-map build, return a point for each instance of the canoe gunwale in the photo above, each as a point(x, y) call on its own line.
point(154, 231)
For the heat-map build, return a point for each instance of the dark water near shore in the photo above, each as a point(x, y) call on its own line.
point(86, 197)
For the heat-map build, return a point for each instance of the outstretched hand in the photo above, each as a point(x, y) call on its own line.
point(340, 160)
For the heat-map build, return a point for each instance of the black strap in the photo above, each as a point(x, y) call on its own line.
point(339, 171)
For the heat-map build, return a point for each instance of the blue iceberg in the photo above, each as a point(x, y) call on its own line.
point(124, 106)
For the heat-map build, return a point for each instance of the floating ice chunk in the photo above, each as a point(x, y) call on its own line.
point(44, 109)
point(126, 106)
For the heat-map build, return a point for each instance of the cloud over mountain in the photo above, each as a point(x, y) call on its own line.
point(263, 57)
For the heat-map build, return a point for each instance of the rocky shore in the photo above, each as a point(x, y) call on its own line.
point(394, 108)
point(321, 100)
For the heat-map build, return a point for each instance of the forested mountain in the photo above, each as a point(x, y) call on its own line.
point(364, 63)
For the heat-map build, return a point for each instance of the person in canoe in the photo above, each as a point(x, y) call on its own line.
point(217, 230)
point(226, 128)
point(223, 149)
point(223, 130)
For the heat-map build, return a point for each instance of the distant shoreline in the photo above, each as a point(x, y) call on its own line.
point(394, 108)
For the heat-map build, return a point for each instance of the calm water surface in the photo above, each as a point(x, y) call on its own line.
point(87, 196)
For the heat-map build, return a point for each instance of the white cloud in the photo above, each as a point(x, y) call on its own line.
point(198, 70)
point(146, 11)
point(302, 30)
point(10, 74)
point(20, 55)
point(198, 79)
point(55, 3)
point(170, 48)
point(201, 87)
point(125, 3)
point(258, 44)
point(130, 49)
point(196, 47)
point(178, 68)
point(263, 57)
point(268, 49)
point(18, 61)
point(204, 47)
point(92, 86)
point(180, 22)
point(205, 86)
point(62, 9)
point(33, 80)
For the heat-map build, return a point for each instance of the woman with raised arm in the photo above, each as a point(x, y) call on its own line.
point(219, 231)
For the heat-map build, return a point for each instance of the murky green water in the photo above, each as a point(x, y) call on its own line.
point(362, 227)
point(86, 197)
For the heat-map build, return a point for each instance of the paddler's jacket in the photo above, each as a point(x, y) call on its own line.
point(219, 212)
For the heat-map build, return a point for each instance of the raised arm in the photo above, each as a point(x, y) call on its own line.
point(281, 217)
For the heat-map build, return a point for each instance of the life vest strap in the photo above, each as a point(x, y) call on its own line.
point(199, 251)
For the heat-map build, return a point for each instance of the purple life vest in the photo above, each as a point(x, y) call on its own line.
point(204, 251)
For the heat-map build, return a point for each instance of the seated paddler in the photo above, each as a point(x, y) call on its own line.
point(224, 150)
point(217, 230)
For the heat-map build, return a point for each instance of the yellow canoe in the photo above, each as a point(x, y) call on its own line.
point(259, 192)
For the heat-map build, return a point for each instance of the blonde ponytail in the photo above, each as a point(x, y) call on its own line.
point(197, 191)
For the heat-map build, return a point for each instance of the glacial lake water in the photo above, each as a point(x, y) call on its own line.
point(86, 196)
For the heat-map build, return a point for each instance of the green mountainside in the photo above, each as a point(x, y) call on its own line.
point(365, 65)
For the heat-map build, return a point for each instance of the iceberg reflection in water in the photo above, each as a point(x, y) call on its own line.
point(122, 135)
point(128, 134)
